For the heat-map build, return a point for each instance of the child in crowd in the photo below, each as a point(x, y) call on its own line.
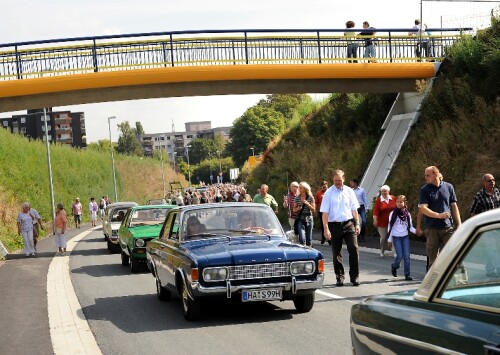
point(400, 225)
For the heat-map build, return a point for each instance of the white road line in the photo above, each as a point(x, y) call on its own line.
point(69, 330)
point(330, 295)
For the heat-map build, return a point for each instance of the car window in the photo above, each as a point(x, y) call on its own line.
point(476, 279)
point(229, 221)
point(118, 214)
point(148, 217)
point(170, 229)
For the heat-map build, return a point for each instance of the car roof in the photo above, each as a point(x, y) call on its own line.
point(453, 250)
point(149, 207)
point(122, 204)
point(223, 204)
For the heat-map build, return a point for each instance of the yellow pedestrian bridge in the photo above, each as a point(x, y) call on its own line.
point(200, 63)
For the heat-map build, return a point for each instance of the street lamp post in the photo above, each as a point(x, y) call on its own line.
point(210, 165)
point(162, 166)
point(112, 157)
point(253, 151)
point(51, 185)
point(189, 168)
point(220, 167)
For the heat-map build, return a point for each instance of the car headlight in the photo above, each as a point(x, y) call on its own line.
point(302, 268)
point(140, 242)
point(214, 274)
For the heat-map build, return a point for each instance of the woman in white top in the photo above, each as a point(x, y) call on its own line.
point(400, 225)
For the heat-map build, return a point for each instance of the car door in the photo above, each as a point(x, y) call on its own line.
point(470, 296)
point(168, 242)
point(124, 231)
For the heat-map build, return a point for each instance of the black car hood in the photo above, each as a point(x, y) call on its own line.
point(243, 251)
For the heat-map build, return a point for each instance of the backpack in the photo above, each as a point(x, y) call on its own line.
point(94, 207)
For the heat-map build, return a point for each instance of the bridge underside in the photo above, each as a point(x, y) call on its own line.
point(206, 81)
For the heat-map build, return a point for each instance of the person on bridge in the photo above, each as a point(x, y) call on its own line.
point(352, 45)
point(486, 199)
point(384, 205)
point(341, 222)
point(438, 203)
point(265, 198)
point(369, 32)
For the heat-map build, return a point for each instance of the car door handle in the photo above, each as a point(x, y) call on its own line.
point(491, 350)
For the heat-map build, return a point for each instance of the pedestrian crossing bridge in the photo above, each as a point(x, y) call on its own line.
point(195, 63)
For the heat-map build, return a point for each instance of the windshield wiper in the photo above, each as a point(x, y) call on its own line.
point(243, 231)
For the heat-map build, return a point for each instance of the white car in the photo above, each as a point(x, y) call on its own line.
point(113, 216)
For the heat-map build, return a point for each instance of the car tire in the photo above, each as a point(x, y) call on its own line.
point(191, 309)
point(162, 293)
point(305, 303)
point(125, 259)
point(134, 265)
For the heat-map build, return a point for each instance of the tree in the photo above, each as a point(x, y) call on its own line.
point(128, 143)
point(100, 146)
point(139, 129)
point(201, 149)
point(254, 129)
point(286, 104)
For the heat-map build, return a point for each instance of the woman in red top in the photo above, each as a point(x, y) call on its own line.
point(384, 204)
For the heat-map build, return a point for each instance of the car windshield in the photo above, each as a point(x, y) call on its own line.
point(150, 216)
point(118, 214)
point(230, 221)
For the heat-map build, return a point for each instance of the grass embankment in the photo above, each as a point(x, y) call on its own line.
point(76, 173)
point(458, 131)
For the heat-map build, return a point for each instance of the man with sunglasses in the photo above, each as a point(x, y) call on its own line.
point(486, 199)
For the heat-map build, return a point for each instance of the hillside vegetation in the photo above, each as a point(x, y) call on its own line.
point(76, 173)
point(458, 131)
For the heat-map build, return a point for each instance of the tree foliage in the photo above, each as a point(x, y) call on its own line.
point(201, 149)
point(128, 143)
point(254, 129)
point(139, 129)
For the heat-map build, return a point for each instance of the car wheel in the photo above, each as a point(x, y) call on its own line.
point(134, 264)
point(191, 308)
point(304, 303)
point(162, 293)
point(125, 259)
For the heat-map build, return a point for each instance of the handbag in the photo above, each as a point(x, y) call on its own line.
point(296, 223)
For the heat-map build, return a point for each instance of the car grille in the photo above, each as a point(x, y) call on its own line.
point(258, 271)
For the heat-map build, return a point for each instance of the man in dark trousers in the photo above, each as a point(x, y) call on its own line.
point(341, 222)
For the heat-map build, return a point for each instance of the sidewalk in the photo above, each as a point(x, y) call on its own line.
point(24, 325)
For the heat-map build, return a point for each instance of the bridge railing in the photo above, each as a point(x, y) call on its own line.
point(198, 48)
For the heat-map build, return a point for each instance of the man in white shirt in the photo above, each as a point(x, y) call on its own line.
point(341, 222)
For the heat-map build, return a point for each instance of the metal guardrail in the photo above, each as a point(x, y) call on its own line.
point(57, 57)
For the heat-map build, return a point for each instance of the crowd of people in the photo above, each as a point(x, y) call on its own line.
point(340, 210)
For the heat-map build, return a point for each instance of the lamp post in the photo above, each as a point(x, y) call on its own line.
point(189, 168)
point(51, 185)
point(253, 151)
point(162, 172)
point(220, 168)
point(173, 158)
point(210, 165)
point(112, 157)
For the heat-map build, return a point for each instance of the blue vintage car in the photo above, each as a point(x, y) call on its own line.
point(231, 250)
point(456, 310)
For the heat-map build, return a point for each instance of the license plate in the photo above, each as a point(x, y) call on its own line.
point(262, 295)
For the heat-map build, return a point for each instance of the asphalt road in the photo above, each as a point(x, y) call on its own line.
point(126, 317)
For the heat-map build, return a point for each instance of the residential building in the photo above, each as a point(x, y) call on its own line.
point(63, 127)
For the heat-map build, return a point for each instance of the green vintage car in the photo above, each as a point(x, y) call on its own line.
point(140, 225)
point(456, 309)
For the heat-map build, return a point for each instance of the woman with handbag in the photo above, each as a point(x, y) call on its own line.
point(305, 208)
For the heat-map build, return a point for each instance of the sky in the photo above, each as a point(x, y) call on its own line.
point(28, 20)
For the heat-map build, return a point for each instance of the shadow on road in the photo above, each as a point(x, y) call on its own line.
point(146, 313)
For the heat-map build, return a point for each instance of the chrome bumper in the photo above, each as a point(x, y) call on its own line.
point(293, 286)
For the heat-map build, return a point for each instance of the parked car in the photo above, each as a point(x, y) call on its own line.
point(141, 224)
point(455, 310)
point(113, 217)
point(231, 250)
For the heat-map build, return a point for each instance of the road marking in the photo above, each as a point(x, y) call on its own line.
point(330, 295)
point(69, 330)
